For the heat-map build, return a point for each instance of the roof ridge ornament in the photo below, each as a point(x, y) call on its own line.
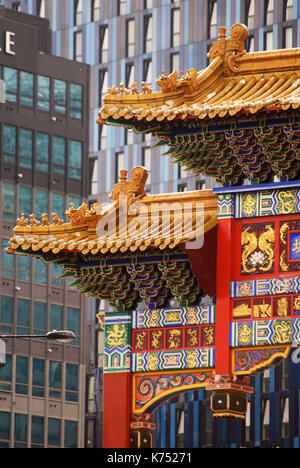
point(134, 188)
point(231, 49)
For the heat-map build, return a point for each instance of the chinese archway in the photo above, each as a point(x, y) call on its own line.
point(238, 122)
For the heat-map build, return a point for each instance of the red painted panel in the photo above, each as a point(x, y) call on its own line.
point(117, 401)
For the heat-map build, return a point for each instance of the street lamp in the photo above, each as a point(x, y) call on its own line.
point(63, 336)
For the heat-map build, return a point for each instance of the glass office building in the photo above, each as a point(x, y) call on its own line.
point(44, 135)
point(133, 40)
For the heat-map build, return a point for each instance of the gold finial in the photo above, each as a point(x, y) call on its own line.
point(231, 49)
point(134, 188)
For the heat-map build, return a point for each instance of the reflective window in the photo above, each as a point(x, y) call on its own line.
point(71, 382)
point(21, 426)
point(60, 96)
point(268, 38)
point(103, 54)
point(212, 19)
point(287, 10)
point(146, 162)
point(75, 159)
point(38, 377)
point(129, 74)
point(56, 271)
point(40, 271)
point(7, 260)
point(58, 205)
point(4, 427)
point(130, 34)
point(43, 102)
point(94, 177)
point(75, 200)
point(37, 431)
point(39, 318)
point(9, 143)
point(71, 428)
point(23, 317)
point(73, 323)
point(147, 72)
point(95, 13)
point(121, 7)
point(42, 152)
point(175, 27)
point(76, 101)
point(25, 200)
point(26, 89)
point(24, 267)
point(103, 85)
point(78, 46)
point(26, 148)
point(59, 155)
point(269, 12)
point(119, 165)
point(56, 317)
point(78, 12)
point(175, 62)
point(11, 84)
point(22, 375)
point(41, 202)
point(288, 38)
point(8, 201)
point(6, 314)
point(55, 379)
point(54, 432)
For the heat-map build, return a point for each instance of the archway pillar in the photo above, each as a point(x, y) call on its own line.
point(117, 388)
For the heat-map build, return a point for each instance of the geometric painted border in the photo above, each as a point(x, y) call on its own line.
point(265, 287)
point(172, 360)
point(171, 317)
point(264, 332)
point(267, 203)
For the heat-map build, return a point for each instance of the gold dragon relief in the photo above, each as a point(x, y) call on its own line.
point(283, 331)
point(116, 335)
point(258, 248)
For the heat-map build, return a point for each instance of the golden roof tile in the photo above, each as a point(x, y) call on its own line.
point(133, 222)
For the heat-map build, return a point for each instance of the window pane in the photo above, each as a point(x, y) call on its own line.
point(70, 434)
point(11, 84)
point(7, 260)
point(59, 154)
point(9, 143)
point(56, 317)
point(7, 310)
point(38, 377)
point(60, 96)
point(42, 152)
point(23, 316)
point(73, 322)
point(58, 205)
point(26, 89)
point(71, 382)
point(26, 148)
point(40, 271)
point(54, 432)
point(22, 375)
point(25, 200)
point(75, 160)
point(76, 97)
point(41, 202)
point(55, 379)
point(56, 271)
point(8, 201)
point(24, 268)
point(21, 428)
point(4, 425)
point(43, 93)
point(39, 317)
point(37, 430)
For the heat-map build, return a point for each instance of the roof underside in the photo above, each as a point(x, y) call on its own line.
point(238, 119)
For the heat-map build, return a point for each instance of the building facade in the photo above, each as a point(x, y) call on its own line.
point(133, 40)
point(44, 140)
